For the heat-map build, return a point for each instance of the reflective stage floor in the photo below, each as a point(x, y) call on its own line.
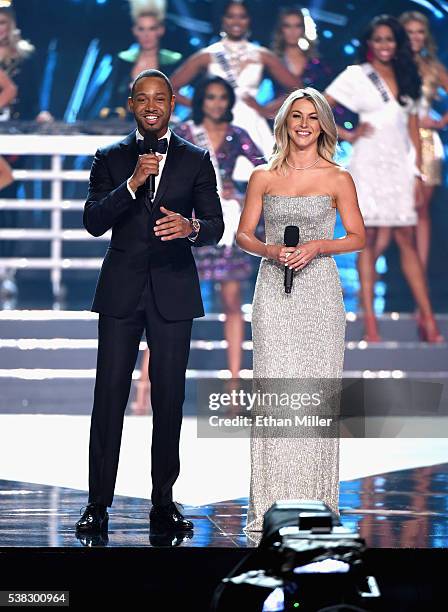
point(393, 490)
point(400, 509)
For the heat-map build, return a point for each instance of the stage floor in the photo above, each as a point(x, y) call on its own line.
point(394, 491)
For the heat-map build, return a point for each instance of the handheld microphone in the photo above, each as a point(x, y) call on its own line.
point(150, 146)
point(291, 239)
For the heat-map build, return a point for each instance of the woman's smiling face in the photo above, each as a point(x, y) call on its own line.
point(236, 21)
point(303, 123)
point(383, 44)
point(292, 29)
point(216, 102)
point(417, 35)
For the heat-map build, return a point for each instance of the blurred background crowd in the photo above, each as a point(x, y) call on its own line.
point(66, 69)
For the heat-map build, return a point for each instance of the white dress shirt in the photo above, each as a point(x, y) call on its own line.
point(138, 137)
point(167, 135)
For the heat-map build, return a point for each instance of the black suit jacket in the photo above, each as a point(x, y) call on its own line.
point(188, 182)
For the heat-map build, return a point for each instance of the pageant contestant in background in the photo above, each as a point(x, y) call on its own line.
point(385, 90)
point(298, 335)
point(211, 128)
point(241, 63)
point(17, 61)
point(149, 281)
point(434, 76)
point(19, 100)
point(290, 42)
point(8, 92)
point(145, 53)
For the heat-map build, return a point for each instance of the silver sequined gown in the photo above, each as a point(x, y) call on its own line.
point(296, 336)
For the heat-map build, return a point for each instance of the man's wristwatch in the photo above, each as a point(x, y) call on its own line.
point(195, 227)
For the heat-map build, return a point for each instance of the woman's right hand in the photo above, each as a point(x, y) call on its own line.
point(278, 252)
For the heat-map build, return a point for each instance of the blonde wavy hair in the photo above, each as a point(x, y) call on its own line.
point(16, 47)
point(430, 45)
point(328, 138)
point(427, 61)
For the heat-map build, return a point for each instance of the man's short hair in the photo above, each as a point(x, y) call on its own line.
point(154, 74)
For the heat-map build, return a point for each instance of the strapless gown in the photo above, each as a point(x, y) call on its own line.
point(296, 336)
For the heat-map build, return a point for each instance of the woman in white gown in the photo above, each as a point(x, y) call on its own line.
point(434, 77)
point(241, 63)
point(384, 90)
point(298, 337)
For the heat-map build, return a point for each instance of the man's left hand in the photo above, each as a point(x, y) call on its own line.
point(172, 226)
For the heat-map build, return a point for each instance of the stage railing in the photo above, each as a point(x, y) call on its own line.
point(58, 147)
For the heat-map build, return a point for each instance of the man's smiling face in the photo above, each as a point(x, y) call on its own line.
point(152, 105)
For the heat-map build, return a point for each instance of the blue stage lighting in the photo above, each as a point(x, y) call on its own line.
point(82, 82)
point(381, 265)
point(349, 49)
point(327, 34)
point(45, 92)
point(434, 10)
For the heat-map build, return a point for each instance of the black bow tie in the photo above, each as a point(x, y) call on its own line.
point(162, 146)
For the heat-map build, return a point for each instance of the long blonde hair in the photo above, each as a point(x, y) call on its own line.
point(328, 138)
point(426, 60)
point(430, 45)
point(17, 47)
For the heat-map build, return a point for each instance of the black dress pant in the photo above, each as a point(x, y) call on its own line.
point(118, 343)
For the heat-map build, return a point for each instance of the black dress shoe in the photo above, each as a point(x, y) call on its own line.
point(168, 518)
point(169, 539)
point(92, 540)
point(94, 519)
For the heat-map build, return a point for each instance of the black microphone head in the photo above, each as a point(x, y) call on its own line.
point(291, 237)
point(150, 141)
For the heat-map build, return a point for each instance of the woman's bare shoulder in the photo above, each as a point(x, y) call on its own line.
point(339, 173)
point(261, 172)
point(260, 177)
point(335, 179)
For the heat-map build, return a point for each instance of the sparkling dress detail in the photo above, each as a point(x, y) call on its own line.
point(432, 147)
point(296, 336)
point(228, 262)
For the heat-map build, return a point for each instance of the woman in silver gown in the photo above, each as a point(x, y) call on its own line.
point(300, 335)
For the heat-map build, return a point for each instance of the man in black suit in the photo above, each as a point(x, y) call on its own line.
point(149, 281)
